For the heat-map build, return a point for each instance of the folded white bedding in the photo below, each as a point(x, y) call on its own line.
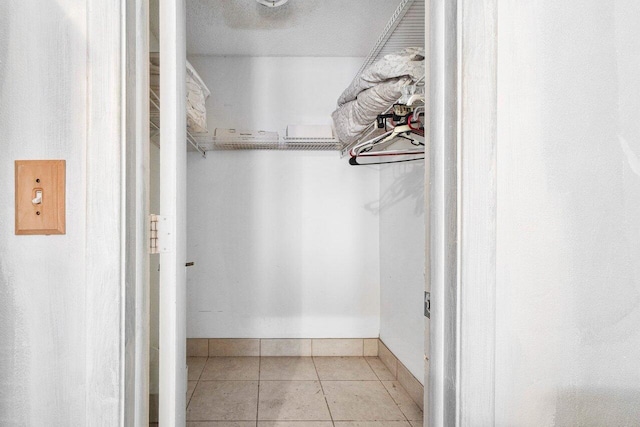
point(375, 90)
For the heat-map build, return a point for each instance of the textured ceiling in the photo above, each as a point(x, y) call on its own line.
point(299, 28)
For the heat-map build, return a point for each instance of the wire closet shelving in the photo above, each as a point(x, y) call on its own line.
point(154, 123)
point(406, 28)
point(209, 143)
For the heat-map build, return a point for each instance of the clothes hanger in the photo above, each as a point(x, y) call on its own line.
point(385, 159)
point(374, 151)
point(388, 156)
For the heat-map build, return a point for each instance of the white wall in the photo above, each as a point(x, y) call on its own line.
point(285, 243)
point(270, 93)
point(402, 254)
point(568, 221)
point(42, 278)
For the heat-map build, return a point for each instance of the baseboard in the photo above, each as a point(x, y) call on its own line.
point(265, 347)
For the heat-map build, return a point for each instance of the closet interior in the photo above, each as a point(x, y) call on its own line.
point(305, 211)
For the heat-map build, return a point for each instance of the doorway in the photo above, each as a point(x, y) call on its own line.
point(175, 286)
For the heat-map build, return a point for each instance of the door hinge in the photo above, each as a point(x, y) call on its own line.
point(427, 305)
point(159, 235)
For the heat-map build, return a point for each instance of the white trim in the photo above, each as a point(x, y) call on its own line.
point(477, 210)
point(105, 291)
point(173, 140)
point(463, 211)
point(136, 96)
point(427, 194)
point(443, 211)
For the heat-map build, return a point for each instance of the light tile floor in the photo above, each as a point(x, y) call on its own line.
point(296, 392)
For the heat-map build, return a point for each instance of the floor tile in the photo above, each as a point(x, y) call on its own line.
point(195, 364)
point(222, 424)
point(372, 424)
point(344, 369)
point(224, 400)
point(360, 401)
point(404, 401)
point(295, 424)
point(191, 386)
point(231, 368)
point(292, 400)
point(380, 369)
point(287, 368)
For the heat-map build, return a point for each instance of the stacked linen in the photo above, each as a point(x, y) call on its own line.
point(375, 90)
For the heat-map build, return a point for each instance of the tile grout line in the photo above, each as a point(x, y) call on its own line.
point(326, 402)
point(397, 404)
point(194, 392)
point(387, 390)
point(374, 371)
point(198, 380)
point(396, 374)
point(259, 380)
point(202, 372)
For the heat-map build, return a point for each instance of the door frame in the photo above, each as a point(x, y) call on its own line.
point(173, 193)
point(133, 70)
point(462, 206)
point(112, 300)
point(136, 162)
point(462, 202)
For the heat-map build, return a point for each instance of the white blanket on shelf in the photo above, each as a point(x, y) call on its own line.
point(375, 90)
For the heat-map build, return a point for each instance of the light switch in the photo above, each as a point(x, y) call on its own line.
point(40, 197)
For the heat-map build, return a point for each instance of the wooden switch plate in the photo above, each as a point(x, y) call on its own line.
point(48, 216)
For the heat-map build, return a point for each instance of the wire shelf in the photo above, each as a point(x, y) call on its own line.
point(154, 124)
point(203, 142)
point(210, 143)
point(404, 29)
